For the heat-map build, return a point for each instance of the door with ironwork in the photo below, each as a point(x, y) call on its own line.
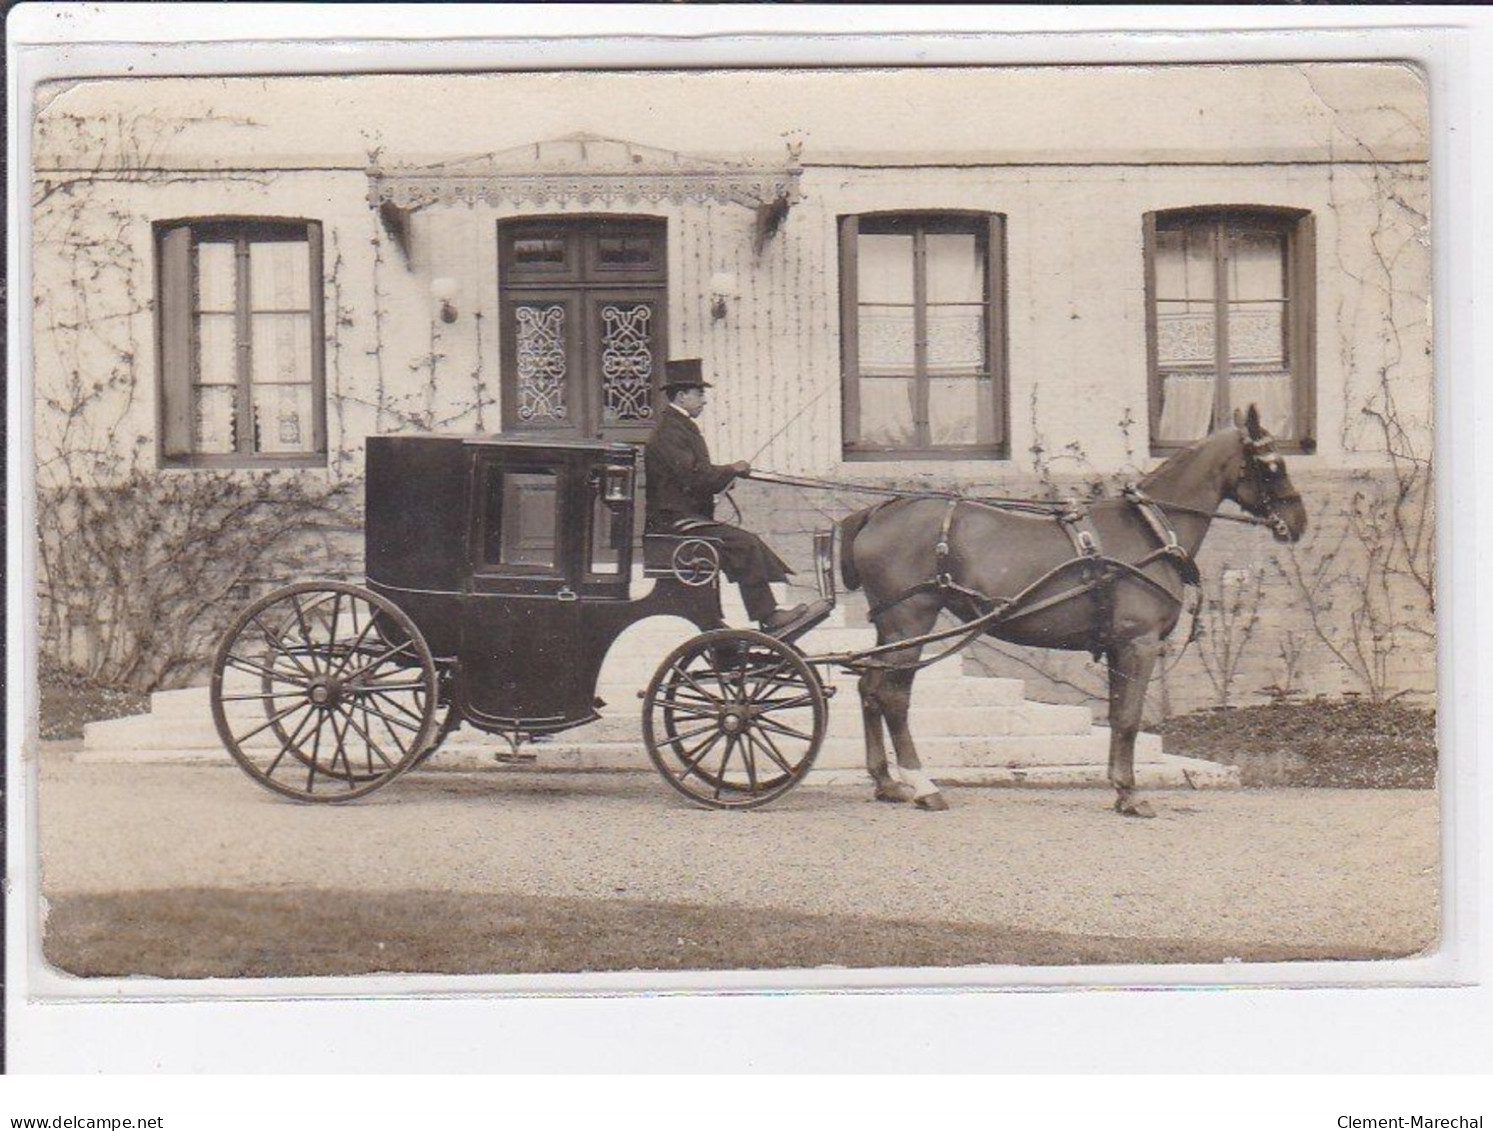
point(583, 303)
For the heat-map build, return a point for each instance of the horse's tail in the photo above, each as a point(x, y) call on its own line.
point(849, 528)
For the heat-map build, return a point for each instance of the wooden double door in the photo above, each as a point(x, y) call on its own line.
point(584, 337)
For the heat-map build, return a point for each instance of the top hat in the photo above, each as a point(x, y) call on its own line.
point(684, 373)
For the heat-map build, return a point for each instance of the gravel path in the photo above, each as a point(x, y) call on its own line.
point(1352, 868)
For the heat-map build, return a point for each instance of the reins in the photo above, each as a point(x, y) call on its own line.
point(1036, 506)
point(1099, 572)
point(999, 502)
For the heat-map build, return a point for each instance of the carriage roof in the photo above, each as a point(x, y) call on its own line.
point(418, 489)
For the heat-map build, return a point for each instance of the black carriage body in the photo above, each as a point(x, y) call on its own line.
point(514, 559)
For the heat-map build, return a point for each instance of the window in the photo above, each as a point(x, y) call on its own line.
point(922, 315)
point(1230, 295)
point(240, 325)
point(520, 521)
point(583, 301)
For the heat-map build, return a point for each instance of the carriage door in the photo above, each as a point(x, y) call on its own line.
point(582, 302)
point(522, 612)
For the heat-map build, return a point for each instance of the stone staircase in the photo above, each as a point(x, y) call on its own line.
point(969, 729)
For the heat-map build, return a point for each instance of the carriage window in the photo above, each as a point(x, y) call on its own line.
point(520, 525)
point(605, 559)
point(1229, 322)
point(241, 360)
point(923, 341)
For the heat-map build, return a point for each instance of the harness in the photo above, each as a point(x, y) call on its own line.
point(1097, 572)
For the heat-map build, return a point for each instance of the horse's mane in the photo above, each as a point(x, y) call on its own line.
point(1180, 460)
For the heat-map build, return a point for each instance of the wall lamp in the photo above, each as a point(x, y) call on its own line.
point(722, 287)
point(443, 289)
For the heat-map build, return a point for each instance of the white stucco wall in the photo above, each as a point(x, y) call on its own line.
point(1238, 114)
point(1073, 158)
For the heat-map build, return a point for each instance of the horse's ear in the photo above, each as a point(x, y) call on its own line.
point(1252, 423)
point(1239, 418)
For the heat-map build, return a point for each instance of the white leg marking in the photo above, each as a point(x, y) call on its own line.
point(920, 782)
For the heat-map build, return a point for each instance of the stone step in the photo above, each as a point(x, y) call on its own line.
point(186, 721)
point(619, 685)
point(984, 722)
point(928, 720)
point(470, 749)
point(675, 628)
point(971, 691)
point(1170, 771)
point(474, 748)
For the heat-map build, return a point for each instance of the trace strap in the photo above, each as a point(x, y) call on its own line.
point(1097, 572)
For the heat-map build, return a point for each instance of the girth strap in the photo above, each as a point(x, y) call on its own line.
point(942, 579)
point(941, 550)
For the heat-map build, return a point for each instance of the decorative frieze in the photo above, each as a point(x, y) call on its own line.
point(583, 169)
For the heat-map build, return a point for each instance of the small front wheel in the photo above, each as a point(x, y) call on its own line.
point(734, 719)
point(324, 691)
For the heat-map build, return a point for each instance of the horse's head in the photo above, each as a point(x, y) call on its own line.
point(1260, 484)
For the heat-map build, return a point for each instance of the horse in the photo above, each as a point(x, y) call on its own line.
point(1107, 578)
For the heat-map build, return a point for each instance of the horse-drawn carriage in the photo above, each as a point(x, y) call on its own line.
point(499, 573)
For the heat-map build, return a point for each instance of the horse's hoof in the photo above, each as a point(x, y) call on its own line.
point(895, 792)
point(1128, 808)
point(933, 802)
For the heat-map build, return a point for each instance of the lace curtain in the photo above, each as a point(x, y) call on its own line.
point(960, 394)
point(280, 361)
point(1254, 301)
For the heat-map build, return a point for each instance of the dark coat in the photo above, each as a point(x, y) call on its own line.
point(682, 482)
point(681, 487)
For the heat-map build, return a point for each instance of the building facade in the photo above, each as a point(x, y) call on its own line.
point(1010, 280)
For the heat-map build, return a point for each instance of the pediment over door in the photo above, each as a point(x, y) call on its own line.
point(584, 169)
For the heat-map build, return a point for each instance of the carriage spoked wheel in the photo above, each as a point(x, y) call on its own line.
point(734, 718)
point(324, 691)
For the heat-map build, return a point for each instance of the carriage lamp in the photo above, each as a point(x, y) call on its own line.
point(616, 485)
point(443, 290)
point(722, 287)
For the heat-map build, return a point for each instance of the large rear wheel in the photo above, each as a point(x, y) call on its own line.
point(733, 719)
point(324, 691)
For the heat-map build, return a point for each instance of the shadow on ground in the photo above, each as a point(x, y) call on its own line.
point(214, 933)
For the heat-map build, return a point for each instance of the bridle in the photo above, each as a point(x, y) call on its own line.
point(1264, 469)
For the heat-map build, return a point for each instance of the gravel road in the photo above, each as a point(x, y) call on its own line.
point(1322, 867)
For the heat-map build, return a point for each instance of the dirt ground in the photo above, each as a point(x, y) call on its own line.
point(1254, 873)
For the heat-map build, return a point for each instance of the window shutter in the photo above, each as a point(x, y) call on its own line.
point(1153, 367)
point(174, 317)
point(850, 367)
point(1303, 329)
point(995, 313)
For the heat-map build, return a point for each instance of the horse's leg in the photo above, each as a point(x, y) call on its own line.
point(888, 788)
point(896, 701)
point(1130, 666)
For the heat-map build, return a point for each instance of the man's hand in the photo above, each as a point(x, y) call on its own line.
point(741, 467)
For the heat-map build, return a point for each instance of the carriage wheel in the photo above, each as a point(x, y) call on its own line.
point(734, 719)
point(448, 726)
point(324, 691)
